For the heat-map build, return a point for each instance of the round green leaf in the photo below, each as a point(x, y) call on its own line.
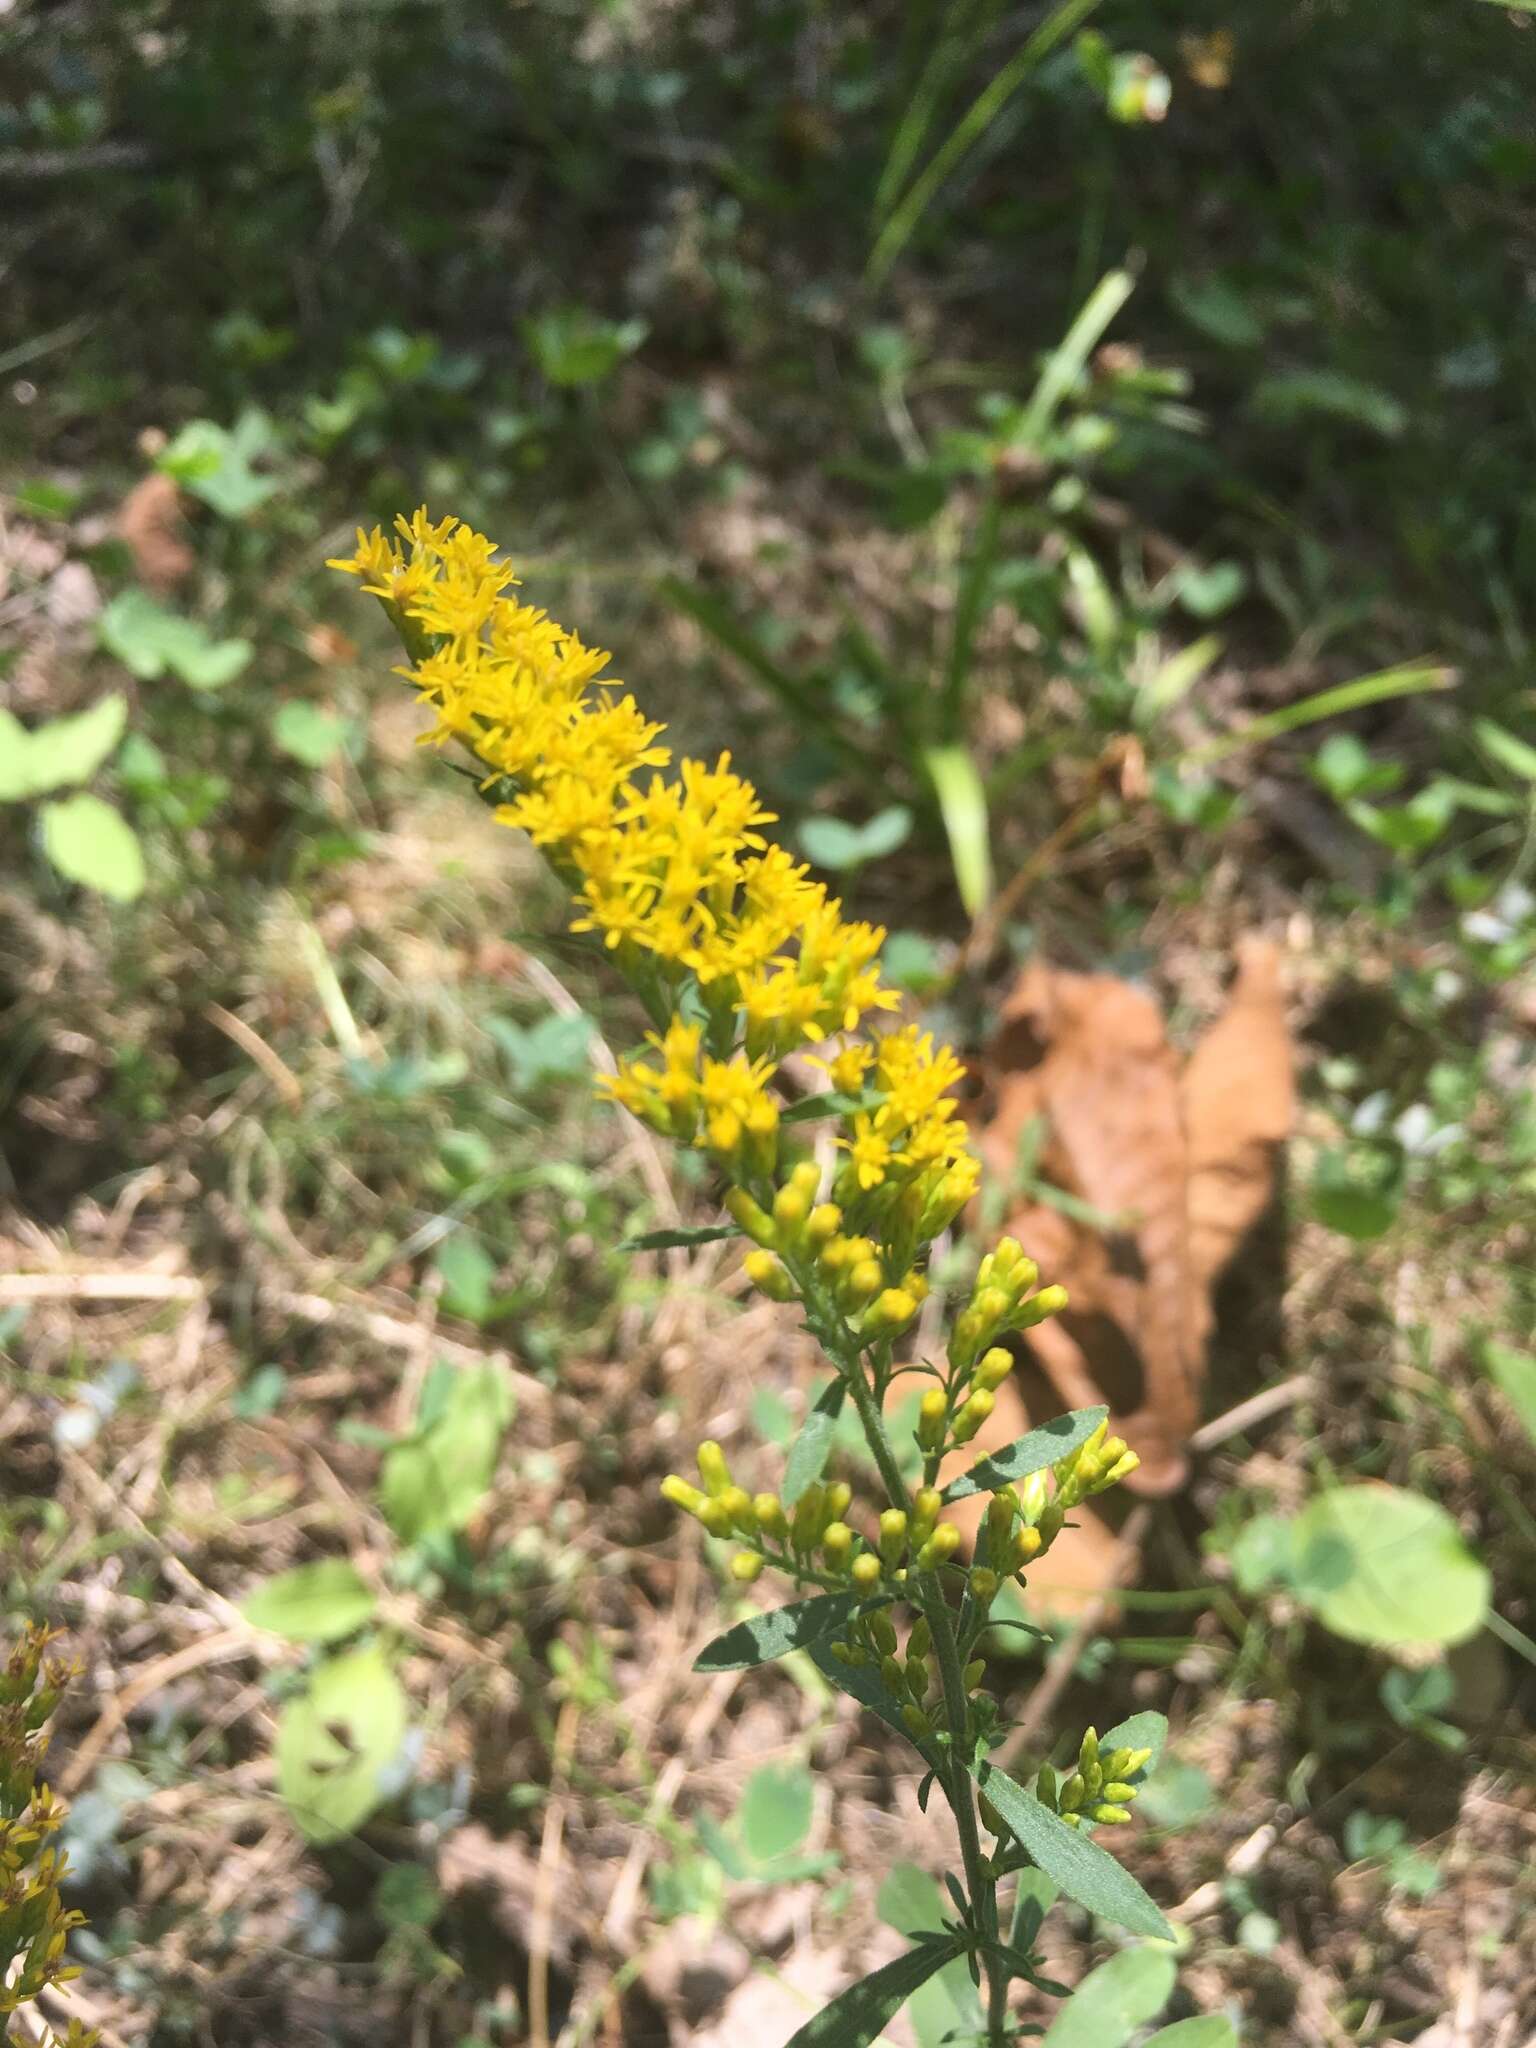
point(314, 1603)
point(775, 1810)
point(89, 842)
point(65, 751)
point(1114, 2000)
point(307, 733)
point(1377, 1564)
point(335, 1741)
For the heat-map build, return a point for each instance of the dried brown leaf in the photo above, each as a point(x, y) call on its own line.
point(149, 520)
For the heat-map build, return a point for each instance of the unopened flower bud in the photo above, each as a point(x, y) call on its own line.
point(806, 1176)
point(919, 1637)
point(993, 1368)
point(975, 1672)
point(893, 1535)
point(984, 1585)
point(836, 1496)
point(926, 1503)
point(932, 1417)
point(837, 1544)
point(766, 1272)
point(1027, 1544)
point(823, 1224)
point(917, 1722)
point(771, 1518)
point(894, 1674)
point(973, 1414)
point(1050, 1301)
point(746, 1565)
point(755, 1221)
point(866, 1571)
point(806, 1526)
point(790, 1209)
point(918, 1678)
point(890, 1314)
point(677, 1490)
point(864, 1281)
point(713, 1469)
point(940, 1547)
point(1045, 1787)
point(716, 1517)
point(882, 1632)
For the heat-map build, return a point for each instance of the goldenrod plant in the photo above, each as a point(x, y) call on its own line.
point(34, 1923)
point(739, 958)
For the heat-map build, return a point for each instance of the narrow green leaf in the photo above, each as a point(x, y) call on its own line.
point(679, 1240)
point(857, 2015)
point(906, 215)
point(1517, 755)
point(774, 1634)
point(1410, 680)
point(1032, 1900)
point(314, 1603)
point(1069, 358)
point(1031, 1453)
point(813, 1445)
point(89, 842)
point(910, 1901)
point(962, 799)
point(1074, 1861)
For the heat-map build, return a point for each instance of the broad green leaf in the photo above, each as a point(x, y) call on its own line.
point(1218, 309)
point(812, 1447)
point(468, 1274)
point(1514, 1374)
point(766, 1637)
point(1378, 1564)
point(833, 843)
point(857, 2015)
point(911, 1902)
point(335, 1741)
point(1178, 1797)
point(1073, 1860)
point(432, 1483)
point(1114, 2000)
point(89, 842)
point(1031, 1453)
point(314, 1603)
point(679, 1240)
point(149, 640)
point(63, 752)
point(1147, 1730)
point(214, 463)
point(962, 799)
point(407, 1895)
point(574, 346)
point(775, 1810)
point(1357, 1190)
point(1209, 2031)
point(307, 733)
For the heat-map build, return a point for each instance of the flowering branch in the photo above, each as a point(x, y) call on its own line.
point(739, 958)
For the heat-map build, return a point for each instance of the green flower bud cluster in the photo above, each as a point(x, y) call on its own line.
point(855, 1273)
point(34, 1925)
point(910, 1674)
point(1099, 1791)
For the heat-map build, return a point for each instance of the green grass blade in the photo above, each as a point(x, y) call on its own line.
point(1068, 359)
point(963, 807)
point(1410, 680)
point(954, 45)
point(984, 110)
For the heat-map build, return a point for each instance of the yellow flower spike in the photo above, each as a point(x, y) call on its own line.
point(992, 1369)
point(837, 1545)
point(677, 1490)
point(766, 1272)
point(746, 1566)
point(866, 1571)
point(932, 1419)
point(893, 1535)
point(973, 1414)
point(771, 1518)
point(713, 1470)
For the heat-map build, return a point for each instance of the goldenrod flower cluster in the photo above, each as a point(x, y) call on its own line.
point(1098, 1791)
point(34, 1925)
point(740, 957)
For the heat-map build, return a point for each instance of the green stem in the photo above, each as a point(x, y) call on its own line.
point(959, 1790)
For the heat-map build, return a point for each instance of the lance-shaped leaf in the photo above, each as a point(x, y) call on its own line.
point(1083, 1870)
point(857, 2015)
point(812, 1447)
point(677, 1240)
point(1209, 2031)
point(776, 1633)
point(1031, 1453)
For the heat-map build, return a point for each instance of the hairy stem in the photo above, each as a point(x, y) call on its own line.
point(958, 1787)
